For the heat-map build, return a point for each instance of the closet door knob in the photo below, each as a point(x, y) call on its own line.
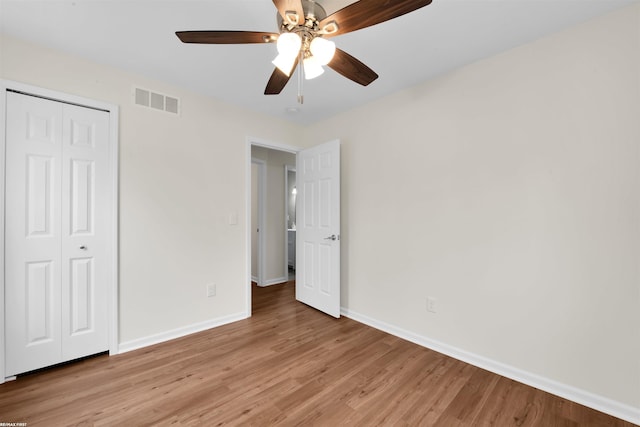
point(83, 247)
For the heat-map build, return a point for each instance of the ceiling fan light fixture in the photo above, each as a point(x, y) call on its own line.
point(285, 63)
point(322, 49)
point(300, 23)
point(312, 68)
point(289, 44)
point(288, 48)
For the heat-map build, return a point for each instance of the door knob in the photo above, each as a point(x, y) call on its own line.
point(332, 237)
point(83, 247)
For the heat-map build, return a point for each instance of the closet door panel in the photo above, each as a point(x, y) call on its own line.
point(84, 231)
point(33, 233)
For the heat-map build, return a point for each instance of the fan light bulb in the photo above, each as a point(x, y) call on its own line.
point(323, 50)
point(289, 44)
point(284, 63)
point(312, 68)
point(288, 47)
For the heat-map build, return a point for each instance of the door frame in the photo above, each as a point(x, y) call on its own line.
point(287, 199)
point(262, 188)
point(258, 142)
point(112, 284)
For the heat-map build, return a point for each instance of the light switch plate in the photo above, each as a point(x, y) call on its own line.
point(211, 290)
point(233, 218)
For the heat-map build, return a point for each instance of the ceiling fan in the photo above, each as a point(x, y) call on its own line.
point(303, 39)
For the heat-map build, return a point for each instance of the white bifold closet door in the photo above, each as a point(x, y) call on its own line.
point(57, 226)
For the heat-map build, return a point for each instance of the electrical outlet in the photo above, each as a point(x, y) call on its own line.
point(211, 290)
point(431, 304)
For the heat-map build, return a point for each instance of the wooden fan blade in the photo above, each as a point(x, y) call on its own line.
point(285, 6)
point(278, 80)
point(226, 37)
point(366, 13)
point(352, 68)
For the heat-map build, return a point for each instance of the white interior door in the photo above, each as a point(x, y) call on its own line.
point(57, 223)
point(318, 227)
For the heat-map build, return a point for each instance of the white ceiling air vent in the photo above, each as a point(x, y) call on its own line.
point(157, 101)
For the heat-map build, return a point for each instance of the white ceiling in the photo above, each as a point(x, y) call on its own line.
point(138, 36)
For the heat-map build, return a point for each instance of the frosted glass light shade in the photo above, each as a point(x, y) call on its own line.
point(289, 44)
point(312, 68)
point(288, 48)
point(285, 63)
point(323, 50)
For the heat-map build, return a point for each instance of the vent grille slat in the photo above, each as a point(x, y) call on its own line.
point(156, 101)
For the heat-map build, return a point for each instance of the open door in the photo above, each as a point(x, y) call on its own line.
point(318, 227)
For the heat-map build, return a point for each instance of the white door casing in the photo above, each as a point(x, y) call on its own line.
point(58, 224)
point(259, 229)
point(289, 236)
point(318, 227)
point(254, 222)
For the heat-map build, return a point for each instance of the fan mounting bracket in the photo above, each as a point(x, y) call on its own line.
point(313, 13)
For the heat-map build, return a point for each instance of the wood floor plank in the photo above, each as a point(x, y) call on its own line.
point(286, 365)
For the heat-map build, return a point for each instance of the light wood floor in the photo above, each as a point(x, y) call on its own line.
point(287, 365)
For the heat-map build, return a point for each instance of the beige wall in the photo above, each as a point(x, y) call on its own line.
point(274, 232)
point(180, 180)
point(509, 190)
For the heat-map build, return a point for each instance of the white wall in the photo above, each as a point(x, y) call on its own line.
point(274, 227)
point(180, 180)
point(509, 190)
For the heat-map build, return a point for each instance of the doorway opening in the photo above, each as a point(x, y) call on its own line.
point(271, 215)
point(317, 266)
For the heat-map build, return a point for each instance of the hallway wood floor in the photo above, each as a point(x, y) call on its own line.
point(286, 365)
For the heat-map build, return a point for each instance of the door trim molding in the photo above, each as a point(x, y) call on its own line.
point(259, 142)
point(262, 189)
point(287, 201)
point(113, 111)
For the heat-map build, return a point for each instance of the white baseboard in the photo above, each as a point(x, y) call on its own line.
point(254, 279)
point(179, 332)
point(599, 403)
point(276, 281)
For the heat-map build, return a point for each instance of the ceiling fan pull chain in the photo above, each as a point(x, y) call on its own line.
point(300, 78)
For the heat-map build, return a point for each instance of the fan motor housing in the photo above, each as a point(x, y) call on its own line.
point(311, 9)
